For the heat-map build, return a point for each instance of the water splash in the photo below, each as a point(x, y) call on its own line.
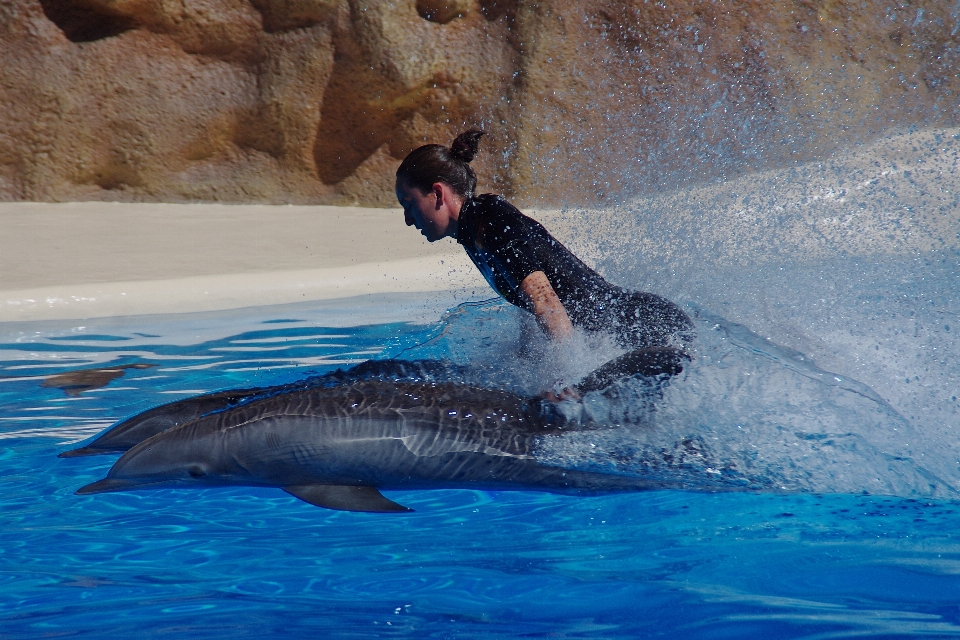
point(826, 302)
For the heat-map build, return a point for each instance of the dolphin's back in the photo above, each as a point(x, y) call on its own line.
point(429, 418)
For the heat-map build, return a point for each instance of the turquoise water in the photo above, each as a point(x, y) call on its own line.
point(806, 553)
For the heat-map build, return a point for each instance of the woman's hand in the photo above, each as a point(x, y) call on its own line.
point(568, 393)
point(546, 306)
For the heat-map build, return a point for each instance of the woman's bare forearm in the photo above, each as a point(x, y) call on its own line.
point(546, 306)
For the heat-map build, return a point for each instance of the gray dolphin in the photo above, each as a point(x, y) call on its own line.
point(336, 447)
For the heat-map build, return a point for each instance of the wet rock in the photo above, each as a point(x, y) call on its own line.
point(315, 101)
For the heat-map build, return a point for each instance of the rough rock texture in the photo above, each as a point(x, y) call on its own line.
point(317, 100)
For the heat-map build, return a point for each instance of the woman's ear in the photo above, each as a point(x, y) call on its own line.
point(438, 191)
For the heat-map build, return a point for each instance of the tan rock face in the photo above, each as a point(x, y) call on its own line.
point(318, 100)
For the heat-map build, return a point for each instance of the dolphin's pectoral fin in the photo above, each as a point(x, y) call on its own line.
point(345, 498)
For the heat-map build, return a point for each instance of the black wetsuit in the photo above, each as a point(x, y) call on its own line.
point(507, 246)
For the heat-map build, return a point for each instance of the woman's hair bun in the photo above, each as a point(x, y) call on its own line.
point(465, 145)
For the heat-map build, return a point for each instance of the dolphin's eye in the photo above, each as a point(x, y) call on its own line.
point(196, 472)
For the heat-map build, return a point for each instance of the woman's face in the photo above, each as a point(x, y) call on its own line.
point(429, 212)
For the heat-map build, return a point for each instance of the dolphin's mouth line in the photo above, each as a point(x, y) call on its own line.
point(109, 485)
point(112, 485)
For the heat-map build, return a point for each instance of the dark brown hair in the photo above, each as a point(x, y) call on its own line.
point(435, 163)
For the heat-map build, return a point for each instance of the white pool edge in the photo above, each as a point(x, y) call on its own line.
point(235, 291)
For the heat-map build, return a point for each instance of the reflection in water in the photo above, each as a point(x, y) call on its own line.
point(73, 383)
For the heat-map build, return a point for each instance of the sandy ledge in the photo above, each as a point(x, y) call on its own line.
point(96, 259)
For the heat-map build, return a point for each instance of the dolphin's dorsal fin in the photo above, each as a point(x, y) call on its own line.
point(345, 498)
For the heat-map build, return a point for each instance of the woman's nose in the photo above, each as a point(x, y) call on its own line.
point(408, 219)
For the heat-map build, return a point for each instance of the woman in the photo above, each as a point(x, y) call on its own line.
point(521, 260)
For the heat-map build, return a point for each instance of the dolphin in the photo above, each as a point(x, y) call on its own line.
point(137, 428)
point(650, 362)
point(337, 447)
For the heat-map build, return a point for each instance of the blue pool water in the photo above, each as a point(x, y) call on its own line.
point(840, 422)
point(824, 386)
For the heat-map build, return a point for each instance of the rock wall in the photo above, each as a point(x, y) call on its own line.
point(315, 101)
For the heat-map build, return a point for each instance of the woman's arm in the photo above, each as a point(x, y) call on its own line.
point(546, 306)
